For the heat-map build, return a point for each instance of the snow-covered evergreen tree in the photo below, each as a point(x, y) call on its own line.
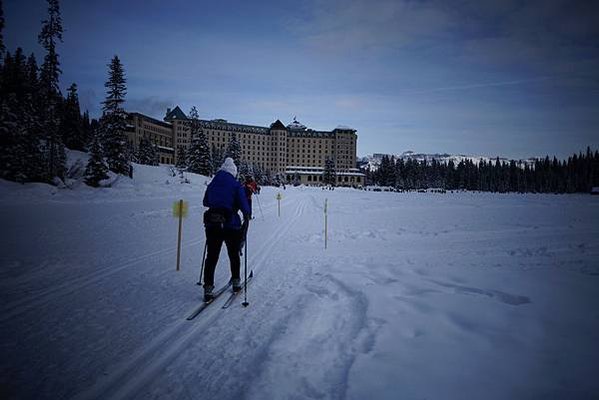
point(199, 157)
point(181, 158)
point(131, 153)
point(267, 178)
point(259, 174)
point(96, 169)
point(112, 123)
point(244, 170)
point(234, 149)
point(329, 176)
point(51, 98)
point(218, 156)
point(147, 153)
point(296, 180)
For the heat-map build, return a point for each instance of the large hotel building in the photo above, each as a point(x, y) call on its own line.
point(290, 151)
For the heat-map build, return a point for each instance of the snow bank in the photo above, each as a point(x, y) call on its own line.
point(148, 181)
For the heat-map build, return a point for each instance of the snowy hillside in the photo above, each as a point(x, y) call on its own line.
point(418, 295)
point(372, 162)
point(161, 181)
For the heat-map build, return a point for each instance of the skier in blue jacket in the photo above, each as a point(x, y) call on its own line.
point(224, 197)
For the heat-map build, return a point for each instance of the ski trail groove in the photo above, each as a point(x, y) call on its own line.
point(128, 377)
point(69, 286)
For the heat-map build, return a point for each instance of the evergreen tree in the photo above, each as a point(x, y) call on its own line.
point(50, 34)
point(9, 124)
point(14, 76)
point(400, 174)
point(296, 180)
point(181, 158)
point(147, 153)
point(86, 130)
point(218, 157)
point(329, 176)
point(96, 169)
point(71, 125)
point(199, 157)
point(381, 172)
point(259, 174)
point(2, 48)
point(386, 172)
point(410, 174)
point(9, 121)
point(33, 88)
point(22, 158)
point(112, 123)
point(54, 150)
point(234, 149)
point(243, 170)
point(131, 154)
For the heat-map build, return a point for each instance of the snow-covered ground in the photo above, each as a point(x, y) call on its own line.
point(418, 296)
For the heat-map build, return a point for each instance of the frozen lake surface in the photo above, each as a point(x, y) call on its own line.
point(418, 295)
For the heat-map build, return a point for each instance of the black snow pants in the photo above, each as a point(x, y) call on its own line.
point(215, 236)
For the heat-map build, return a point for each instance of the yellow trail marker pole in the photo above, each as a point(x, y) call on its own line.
point(180, 211)
point(325, 222)
point(279, 197)
point(179, 238)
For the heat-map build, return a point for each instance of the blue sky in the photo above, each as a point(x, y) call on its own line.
point(508, 78)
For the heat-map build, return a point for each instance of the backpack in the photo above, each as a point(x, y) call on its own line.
point(217, 216)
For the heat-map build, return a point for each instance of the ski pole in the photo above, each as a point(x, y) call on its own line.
point(203, 259)
point(260, 206)
point(245, 290)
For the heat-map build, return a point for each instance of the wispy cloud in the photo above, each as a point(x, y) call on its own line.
point(480, 85)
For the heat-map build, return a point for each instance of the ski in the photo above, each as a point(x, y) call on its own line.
point(232, 296)
point(204, 305)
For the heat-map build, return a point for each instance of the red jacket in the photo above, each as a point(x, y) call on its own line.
point(250, 188)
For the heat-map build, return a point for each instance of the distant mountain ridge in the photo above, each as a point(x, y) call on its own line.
point(372, 161)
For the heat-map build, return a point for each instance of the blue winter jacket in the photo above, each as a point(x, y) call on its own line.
point(226, 192)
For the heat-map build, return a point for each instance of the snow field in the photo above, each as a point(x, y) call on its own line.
point(464, 295)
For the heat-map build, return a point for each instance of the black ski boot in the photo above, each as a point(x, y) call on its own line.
point(236, 285)
point(208, 296)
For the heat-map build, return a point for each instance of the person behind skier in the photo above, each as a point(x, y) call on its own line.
point(224, 197)
point(251, 187)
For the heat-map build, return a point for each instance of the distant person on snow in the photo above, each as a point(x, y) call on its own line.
point(251, 187)
point(224, 197)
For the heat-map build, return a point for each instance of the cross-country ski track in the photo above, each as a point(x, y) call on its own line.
point(129, 379)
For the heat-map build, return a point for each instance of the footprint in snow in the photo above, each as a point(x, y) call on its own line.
point(321, 341)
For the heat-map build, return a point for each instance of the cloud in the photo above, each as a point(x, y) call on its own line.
point(544, 37)
point(359, 25)
point(537, 37)
point(151, 105)
point(351, 103)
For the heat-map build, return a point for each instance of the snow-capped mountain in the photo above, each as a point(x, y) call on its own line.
point(372, 161)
